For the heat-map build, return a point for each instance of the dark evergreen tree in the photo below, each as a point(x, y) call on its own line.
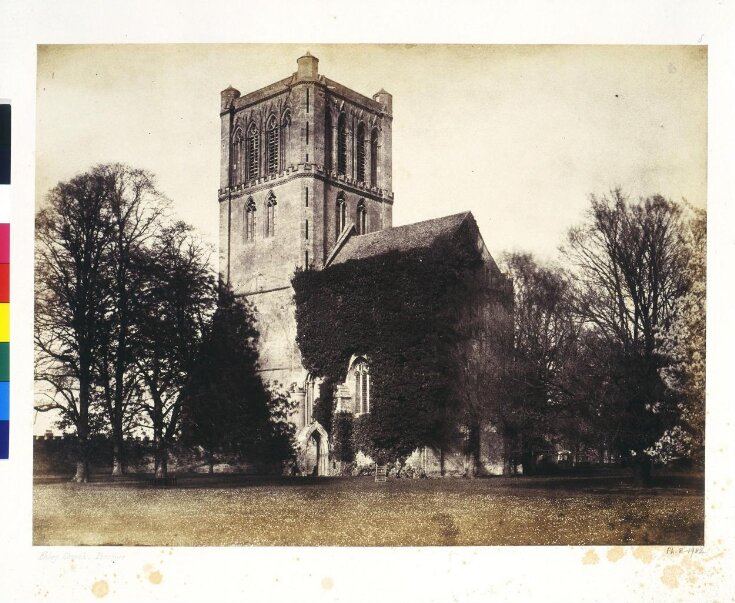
point(227, 407)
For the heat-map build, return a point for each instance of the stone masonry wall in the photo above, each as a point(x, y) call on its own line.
point(306, 194)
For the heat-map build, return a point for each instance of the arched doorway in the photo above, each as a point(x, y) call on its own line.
point(313, 454)
point(313, 450)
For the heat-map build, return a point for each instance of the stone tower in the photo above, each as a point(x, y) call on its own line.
point(303, 161)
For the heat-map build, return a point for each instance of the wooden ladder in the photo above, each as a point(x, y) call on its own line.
point(381, 473)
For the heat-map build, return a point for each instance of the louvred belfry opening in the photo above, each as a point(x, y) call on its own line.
point(341, 145)
point(252, 152)
point(273, 140)
point(361, 153)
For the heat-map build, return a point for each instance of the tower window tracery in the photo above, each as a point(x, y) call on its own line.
point(360, 154)
point(374, 157)
point(252, 153)
point(250, 220)
point(361, 217)
point(342, 145)
point(236, 170)
point(341, 214)
point(328, 134)
point(285, 138)
point(270, 215)
point(272, 142)
point(362, 387)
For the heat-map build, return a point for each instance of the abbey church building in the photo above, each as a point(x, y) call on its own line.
point(306, 184)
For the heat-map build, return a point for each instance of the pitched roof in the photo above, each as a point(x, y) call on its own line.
point(400, 238)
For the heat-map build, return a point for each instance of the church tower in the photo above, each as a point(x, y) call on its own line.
point(303, 161)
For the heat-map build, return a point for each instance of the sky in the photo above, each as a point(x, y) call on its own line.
point(519, 135)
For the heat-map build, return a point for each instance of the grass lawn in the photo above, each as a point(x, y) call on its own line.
point(224, 510)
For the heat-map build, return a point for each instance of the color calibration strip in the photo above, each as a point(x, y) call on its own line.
point(4, 280)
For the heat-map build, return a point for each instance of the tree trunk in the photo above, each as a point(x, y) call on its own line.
point(528, 460)
point(118, 462)
point(507, 450)
point(642, 469)
point(475, 452)
point(441, 462)
point(211, 463)
point(161, 460)
point(82, 474)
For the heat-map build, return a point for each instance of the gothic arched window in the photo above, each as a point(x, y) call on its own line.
point(361, 217)
point(252, 152)
point(285, 136)
point(249, 220)
point(342, 145)
point(236, 172)
point(270, 215)
point(374, 157)
point(328, 134)
point(341, 214)
point(362, 387)
point(309, 398)
point(360, 152)
point(272, 153)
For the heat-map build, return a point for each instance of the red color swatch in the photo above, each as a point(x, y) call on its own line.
point(4, 283)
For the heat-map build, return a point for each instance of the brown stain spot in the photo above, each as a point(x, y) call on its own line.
point(100, 589)
point(693, 568)
point(671, 576)
point(643, 553)
point(590, 557)
point(155, 577)
point(615, 553)
point(327, 583)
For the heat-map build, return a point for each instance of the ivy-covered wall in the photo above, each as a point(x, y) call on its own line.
point(414, 314)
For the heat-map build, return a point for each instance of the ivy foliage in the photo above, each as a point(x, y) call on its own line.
point(403, 310)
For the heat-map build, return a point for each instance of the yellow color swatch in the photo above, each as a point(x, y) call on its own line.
point(4, 322)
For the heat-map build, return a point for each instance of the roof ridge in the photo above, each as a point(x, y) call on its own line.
point(409, 236)
point(383, 230)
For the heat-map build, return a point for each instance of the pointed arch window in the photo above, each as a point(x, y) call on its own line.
point(272, 141)
point(236, 172)
point(342, 145)
point(328, 134)
point(311, 394)
point(249, 220)
point(362, 387)
point(270, 215)
point(285, 137)
point(341, 214)
point(360, 152)
point(252, 152)
point(374, 157)
point(361, 217)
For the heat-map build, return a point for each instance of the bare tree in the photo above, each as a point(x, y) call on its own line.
point(630, 260)
point(72, 298)
point(178, 293)
point(136, 213)
point(545, 337)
